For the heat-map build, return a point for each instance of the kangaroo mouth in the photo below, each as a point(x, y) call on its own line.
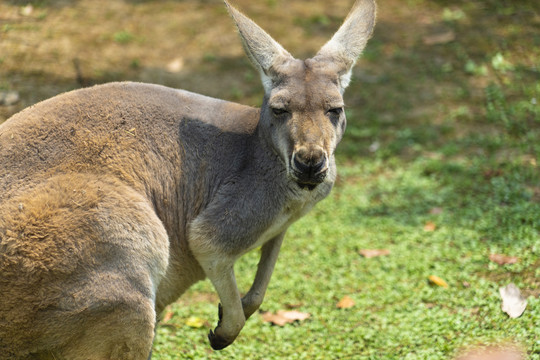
point(308, 181)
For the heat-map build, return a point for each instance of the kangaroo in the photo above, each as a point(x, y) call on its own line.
point(115, 199)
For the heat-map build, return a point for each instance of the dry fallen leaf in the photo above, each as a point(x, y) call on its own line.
point(283, 317)
point(436, 211)
point(27, 10)
point(294, 315)
point(437, 281)
point(440, 38)
point(369, 253)
point(430, 226)
point(9, 98)
point(502, 259)
point(176, 65)
point(168, 316)
point(513, 303)
point(345, 303)
point(374, 146)
point(294, 306)
point(491, 173)
point(195, 322)
point(274, 318)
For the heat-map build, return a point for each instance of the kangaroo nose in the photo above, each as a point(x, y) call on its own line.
point(309, 162)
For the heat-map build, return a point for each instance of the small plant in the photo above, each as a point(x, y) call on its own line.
point(475, 69)
point(320, 20)
point(511, 115)
point(495, 104)
point(209, 57)
point(460, 113)
point(135, 64)
point(123, 37)
point(236, 92)
point(453, 14)
point(499, 63)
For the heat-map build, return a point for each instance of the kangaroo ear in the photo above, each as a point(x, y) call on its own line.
point(263, 51)
point(350, 40)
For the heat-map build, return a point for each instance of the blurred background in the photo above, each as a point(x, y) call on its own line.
point(439, 164)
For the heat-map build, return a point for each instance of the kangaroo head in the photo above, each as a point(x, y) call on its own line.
point(302, 115)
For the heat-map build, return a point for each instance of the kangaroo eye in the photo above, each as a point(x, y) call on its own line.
point(279, 112)
point(335, 111)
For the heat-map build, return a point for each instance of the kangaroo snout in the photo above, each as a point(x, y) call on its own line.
point(309, 166)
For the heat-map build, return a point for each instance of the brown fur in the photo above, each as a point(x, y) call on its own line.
point(74, 172)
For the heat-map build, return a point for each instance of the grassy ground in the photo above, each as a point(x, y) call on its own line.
point(453, 125)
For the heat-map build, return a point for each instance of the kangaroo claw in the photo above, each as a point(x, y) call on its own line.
point(217, 342)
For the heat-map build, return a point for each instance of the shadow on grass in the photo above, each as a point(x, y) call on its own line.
point(500, 204)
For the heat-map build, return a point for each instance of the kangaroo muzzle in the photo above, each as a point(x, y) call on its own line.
point(309, 166)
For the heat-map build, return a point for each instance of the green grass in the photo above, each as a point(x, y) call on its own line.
point(473, 151)
point(478, 163)
point(398, 314)
point(123, 37)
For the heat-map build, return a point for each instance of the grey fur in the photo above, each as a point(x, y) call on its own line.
point(115, 199)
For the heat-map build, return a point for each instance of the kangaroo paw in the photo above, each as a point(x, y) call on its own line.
point(217, 342)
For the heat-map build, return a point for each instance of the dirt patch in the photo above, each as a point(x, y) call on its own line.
point(55, 46)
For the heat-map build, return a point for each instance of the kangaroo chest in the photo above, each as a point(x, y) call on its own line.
point(291, 211)
point(280, 224)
